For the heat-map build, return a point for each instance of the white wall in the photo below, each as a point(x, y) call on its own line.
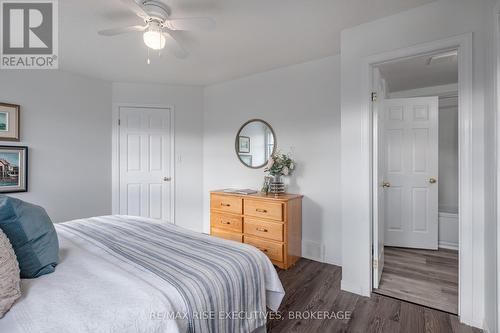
point(302, 104)
point(438, 20)
point(492, 257)
point(448, 231)
point(65, 121)
point(187, 102)
point(448, 156)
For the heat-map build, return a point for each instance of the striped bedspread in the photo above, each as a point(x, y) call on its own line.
point(225, 286)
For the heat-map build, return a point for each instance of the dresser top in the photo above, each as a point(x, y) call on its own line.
point(260, 195)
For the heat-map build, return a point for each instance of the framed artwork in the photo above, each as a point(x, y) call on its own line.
point(247, 159)
point(243, 144)
point(9, 122)
point(13, 169)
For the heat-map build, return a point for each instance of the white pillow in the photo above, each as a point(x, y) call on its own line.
point(10, 278)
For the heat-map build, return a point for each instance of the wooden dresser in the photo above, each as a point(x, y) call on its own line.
point(271, 223)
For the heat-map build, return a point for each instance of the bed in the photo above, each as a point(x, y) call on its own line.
point(131, 274)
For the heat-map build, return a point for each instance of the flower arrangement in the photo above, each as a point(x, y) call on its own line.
point(280, 165)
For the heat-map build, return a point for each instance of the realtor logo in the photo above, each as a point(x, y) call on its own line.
point(29, 34)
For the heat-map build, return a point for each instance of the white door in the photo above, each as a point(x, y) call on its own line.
point(410, 172)
point(145, 162)
point(378, 178)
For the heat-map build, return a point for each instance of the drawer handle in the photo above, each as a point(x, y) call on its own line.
point(263, 250)
point(261, 210)
point(224, 222)
point(225, 204)
point(261, 229)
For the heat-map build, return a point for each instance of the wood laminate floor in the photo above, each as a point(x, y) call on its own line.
point(425, 277)
point(313, 287)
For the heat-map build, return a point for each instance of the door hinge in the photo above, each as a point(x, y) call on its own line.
point(374, 96)
point(119, 122)
point(375, 263)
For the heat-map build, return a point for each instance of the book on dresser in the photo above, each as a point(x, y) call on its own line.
point(271, 223)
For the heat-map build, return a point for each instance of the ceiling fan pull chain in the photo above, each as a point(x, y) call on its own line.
point(148, 61)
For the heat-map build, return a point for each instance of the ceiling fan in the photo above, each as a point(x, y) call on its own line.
point(158, 25)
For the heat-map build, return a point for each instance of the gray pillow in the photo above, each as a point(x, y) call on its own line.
point(10, 280)
point(32, 235)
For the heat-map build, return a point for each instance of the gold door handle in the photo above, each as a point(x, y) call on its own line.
point(261, 229)
point(386, 184)
point(432, 180)
point(225, 204)
point(224, 222)
point(261, 210)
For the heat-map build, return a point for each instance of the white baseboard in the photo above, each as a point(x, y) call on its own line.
point(485, 328)
point(355, 289)
point(448, 246)
point(448, 231)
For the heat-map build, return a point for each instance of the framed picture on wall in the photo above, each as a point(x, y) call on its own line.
point(13, 169)
point(9, 122)
point(244, 144)
point(247, 159)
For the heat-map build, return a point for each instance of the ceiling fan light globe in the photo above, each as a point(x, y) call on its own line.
point(154, 39)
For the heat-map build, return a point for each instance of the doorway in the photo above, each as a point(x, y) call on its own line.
point(416, 179)
point(143, 165)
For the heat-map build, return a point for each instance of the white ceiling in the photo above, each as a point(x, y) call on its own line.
point(251, 36)
point(414, 73)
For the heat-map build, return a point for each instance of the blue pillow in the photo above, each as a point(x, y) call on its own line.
point(32, 236)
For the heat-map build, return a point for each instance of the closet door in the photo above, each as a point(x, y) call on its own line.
point(145, 165)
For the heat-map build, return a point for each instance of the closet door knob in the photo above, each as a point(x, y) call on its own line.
point(432, 180)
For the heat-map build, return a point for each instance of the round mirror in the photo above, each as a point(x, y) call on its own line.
point(255, 143)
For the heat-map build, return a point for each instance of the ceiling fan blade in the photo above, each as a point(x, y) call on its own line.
point(193, 23)
point(123, 30)
point(173, 46)
point(136, 8)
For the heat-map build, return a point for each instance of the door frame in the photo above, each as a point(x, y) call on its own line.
point(496, 105)
point(115, 154)
point(467, 289)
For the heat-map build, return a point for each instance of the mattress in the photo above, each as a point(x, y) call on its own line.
point(131, 274)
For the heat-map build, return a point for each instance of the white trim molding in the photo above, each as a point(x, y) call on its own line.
point(471, 256)
point(496, 104)
point(441, 91)
point(115, 154)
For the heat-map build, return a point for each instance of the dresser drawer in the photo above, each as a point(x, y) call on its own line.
point(227, 235)
point(273, 250)
point(226, 222)
point(265, 209)
point(265, 229)
point(227, 203)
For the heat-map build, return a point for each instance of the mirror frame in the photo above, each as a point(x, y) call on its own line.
point(236, 142)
